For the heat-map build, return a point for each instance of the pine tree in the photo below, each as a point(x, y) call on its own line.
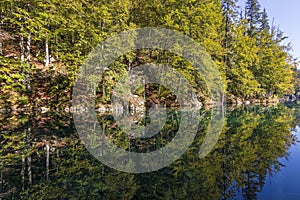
point(264, 22)
point(230, 13)
point(253, 14)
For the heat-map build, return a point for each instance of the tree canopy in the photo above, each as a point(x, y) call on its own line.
point(56, 36)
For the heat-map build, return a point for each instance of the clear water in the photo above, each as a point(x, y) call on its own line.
point(257, 156)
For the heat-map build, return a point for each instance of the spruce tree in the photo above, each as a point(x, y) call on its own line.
point(253, 14)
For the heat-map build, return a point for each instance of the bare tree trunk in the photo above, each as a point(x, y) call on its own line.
point(101, 145)
point(1, 23)
point(1, 182)
point(227, 20)
point(22, 48)
point(28, 47)
point(23, 173)
point(29, 170)
point(29, 157)
point(223, 105)
point(102, 29)
point(1, 52)
point(103, 91)
point(47, 160)
point(47, 53)
point(57, 153)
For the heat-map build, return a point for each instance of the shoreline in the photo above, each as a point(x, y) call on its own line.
point(107, 108)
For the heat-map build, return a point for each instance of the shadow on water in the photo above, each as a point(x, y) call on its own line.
point(43, 158)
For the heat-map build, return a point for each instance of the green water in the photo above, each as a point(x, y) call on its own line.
point(256, 157)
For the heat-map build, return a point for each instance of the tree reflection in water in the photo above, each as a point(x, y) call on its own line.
point(43, 158)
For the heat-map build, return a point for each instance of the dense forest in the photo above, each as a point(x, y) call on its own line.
point(44, 42)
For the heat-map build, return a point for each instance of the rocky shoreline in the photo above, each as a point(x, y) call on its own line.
point(136, 104)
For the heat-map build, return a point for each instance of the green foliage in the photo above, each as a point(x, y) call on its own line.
point(13, 83)
point(248, 52)
point(241, 80)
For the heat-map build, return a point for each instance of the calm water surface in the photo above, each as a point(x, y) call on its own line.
point(257, 157)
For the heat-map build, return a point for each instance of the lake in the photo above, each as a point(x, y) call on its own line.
point(257, 156)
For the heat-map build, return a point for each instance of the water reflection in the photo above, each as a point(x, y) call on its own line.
point(42, 158)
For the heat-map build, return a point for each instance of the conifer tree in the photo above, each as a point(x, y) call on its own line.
point(253, 14)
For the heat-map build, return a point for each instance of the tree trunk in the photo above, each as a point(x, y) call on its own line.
point(23, 173)
point(47, 53)
point(28, 47)
point(28, 136)
point(29, 170)
point(1, 23)
point(103, 92)
point(22, 48)
point(57, 153)
point(223, 105)
point(47, 160)
point(227, 23)
point(1, 52)
point(1, 182)
point(102, 29)
point(101, 145)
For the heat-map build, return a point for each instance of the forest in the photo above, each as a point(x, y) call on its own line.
point(44, 42)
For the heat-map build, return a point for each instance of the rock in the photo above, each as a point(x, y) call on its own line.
point(136, 103)
point(293, 98)
point(197, 104)
point(239, 102)
point(117, 107)
point(101, 109)
point(210, 103)
point(255, 101)
point(44, 109)
point(247, 102)
point(3, 110)
point(14, 108)
point(82, 109)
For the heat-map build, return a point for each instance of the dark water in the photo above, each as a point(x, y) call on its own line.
point(257, 156)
